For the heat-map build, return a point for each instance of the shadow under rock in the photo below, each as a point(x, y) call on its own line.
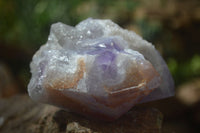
point(139, 119)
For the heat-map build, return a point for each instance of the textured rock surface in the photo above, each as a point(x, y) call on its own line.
point(97, 69)
point(26, 116)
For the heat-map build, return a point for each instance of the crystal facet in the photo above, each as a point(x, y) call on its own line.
point(98, 69)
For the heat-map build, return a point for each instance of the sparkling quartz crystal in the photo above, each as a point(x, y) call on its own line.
point(98, 69)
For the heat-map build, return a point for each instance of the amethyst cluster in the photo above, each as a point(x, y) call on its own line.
point(98, 69)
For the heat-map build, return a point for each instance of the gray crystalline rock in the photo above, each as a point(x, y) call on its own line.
point(98, 69)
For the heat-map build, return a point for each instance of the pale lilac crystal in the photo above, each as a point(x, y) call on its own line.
point(98, 69)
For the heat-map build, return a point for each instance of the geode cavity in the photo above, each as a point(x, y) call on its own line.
point(97, 69)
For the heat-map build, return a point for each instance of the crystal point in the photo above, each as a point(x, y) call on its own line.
point(97, 69)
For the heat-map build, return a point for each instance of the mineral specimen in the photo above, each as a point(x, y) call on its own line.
point(98, 69)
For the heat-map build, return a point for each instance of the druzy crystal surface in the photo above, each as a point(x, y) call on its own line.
point(98, 69)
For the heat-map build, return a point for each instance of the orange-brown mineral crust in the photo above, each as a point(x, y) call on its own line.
point(68, 82)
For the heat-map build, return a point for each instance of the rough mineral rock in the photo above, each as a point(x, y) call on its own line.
point(97, 69)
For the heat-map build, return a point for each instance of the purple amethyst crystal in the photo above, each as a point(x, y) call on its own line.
point(98, 69)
